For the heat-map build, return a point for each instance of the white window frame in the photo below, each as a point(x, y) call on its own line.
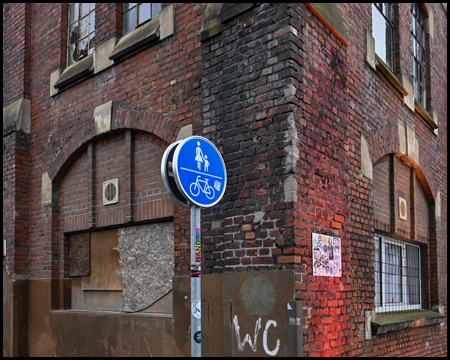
point(403, 305)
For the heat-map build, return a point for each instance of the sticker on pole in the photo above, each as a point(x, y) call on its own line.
point(199, 171)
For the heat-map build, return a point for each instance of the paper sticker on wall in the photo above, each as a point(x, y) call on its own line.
point(326, 255)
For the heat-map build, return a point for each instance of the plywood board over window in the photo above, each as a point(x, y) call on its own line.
point(79, 254)
point(104, 262)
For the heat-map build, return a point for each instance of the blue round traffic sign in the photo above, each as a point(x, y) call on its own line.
point(199, 171)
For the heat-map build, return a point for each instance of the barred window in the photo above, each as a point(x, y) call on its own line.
point(398, 283)
point(81, 39)
point(418, 52)
point(135, 14)
point(382, 31)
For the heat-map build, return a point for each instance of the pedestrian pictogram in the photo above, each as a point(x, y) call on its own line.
point(199, 171)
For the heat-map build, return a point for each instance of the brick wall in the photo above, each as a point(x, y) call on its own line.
point(74, 204)
point(381, 195)
point(247, 74)
point(151, 198)
point(16, 51)
point(366, 91)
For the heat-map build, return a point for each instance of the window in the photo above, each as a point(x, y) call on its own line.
point(135, 14)
point(81, 40)
point(418, 52)
point(398, 284)
point(382, 31)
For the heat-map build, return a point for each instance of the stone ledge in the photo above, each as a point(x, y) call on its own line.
point(76, 72)
point(17, 117)
point(384, 323)
point(218, 13)
point(136, 40)
point(331, 17)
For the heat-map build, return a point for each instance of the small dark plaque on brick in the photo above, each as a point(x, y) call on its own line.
point(79, 254)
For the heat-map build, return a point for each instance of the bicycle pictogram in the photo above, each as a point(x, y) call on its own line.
point(206, 189)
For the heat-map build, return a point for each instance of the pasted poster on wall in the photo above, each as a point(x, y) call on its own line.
point(326, 255)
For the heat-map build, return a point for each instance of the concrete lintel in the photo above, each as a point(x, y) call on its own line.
point(429, 25)
point(212, 24)
point(46, 189)
point(166, 20)
point(185, 132)
point(410, 139)
point(102, 53)
point(370, 50)
point(102, 118)
point(408, 99)
point(366, 161)
point(17, 117)
point(437, 204)
point(368, 324)
point(54, 77)
point(434, 116)
point(402, 137)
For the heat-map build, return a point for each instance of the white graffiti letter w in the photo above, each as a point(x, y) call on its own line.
point(247, 336)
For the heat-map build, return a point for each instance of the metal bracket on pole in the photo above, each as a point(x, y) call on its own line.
point(196, 293)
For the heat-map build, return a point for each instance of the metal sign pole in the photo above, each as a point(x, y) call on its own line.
point(196, 293)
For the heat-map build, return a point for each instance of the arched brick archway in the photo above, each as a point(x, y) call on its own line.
point(385, 141)
point(123, 119)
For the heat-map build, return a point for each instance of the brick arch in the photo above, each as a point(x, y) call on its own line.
point(386, 141)
point(123, 119)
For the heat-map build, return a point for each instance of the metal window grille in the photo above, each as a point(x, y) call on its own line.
point(418, 52)
point(398, 283)
point(81, 39)
point(382, 31)
point(135, 14)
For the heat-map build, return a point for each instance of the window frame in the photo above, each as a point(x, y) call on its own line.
point(418, 44)
point(90, 33)
point(388, 18)
point(138, 23)
point(402, 305)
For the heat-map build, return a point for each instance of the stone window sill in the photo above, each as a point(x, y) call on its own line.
point(425, 115)
point(384, 323)
point(75, 72)
point(136, 40)
point(112, 51)
point(400, 82)
point(390, 75)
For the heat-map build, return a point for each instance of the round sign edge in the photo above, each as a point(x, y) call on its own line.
point(164, 175)
point(175, 170)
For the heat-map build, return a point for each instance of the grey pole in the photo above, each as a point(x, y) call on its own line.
point(196, 293)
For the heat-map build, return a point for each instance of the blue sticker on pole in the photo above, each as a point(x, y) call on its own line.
point(199, 171)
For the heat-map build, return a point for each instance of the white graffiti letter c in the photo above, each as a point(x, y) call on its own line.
point(266, 349)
